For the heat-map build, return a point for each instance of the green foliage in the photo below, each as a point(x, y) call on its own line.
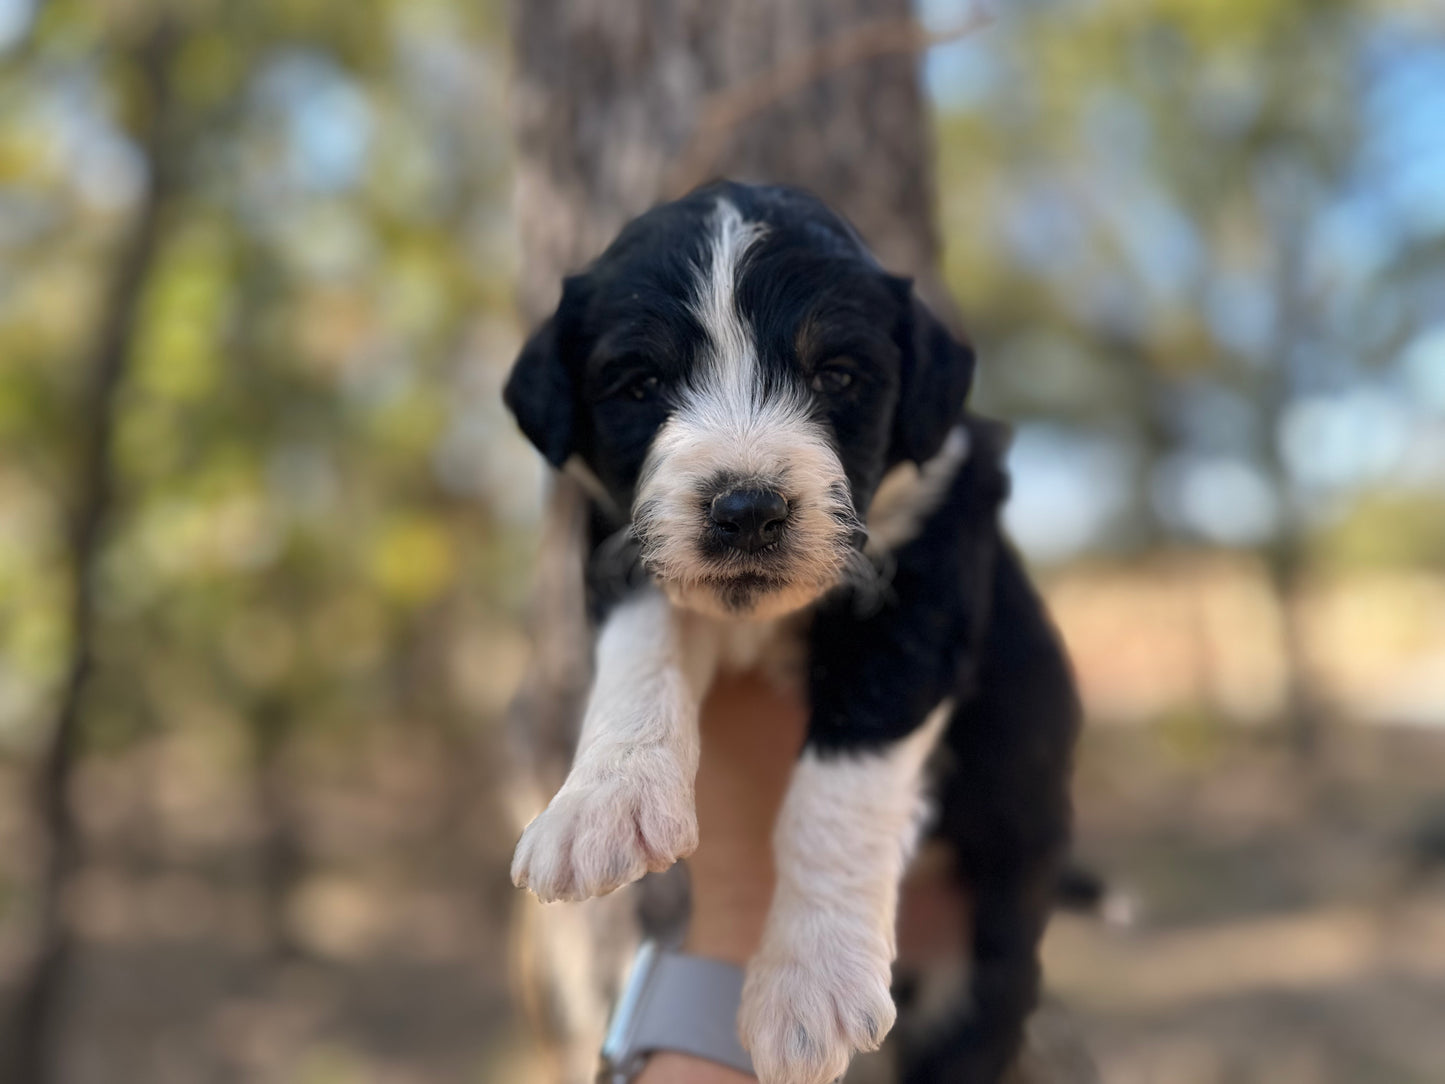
point(1172, 223)
point(1387, 531)
point(331, 243)
point(316, 482)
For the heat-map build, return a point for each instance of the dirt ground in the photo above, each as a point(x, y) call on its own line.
point(1283, 926)
point(1287, 929)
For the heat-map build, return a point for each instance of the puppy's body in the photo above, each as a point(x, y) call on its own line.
point(784, 477)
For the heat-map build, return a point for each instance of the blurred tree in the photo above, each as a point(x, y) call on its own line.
point(34, 1040)
point(1160, 213)
point(252, 264)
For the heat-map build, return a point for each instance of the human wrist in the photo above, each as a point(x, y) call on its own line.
point(751, 734)
point(666, 1067)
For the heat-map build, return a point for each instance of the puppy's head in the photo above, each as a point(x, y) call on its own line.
point(736, 374)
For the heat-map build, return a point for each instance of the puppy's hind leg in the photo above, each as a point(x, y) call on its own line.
point(626, 807)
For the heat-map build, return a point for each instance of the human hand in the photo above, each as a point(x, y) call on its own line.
point(751, 735)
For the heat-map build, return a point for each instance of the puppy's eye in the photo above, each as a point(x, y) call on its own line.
point(641, 388)
point(832, 379)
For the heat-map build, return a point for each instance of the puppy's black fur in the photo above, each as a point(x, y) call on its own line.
point(954, 616)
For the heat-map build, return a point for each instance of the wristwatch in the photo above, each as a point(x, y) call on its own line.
point(672, 1001)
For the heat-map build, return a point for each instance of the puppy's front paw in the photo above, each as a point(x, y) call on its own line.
point(607, 828)
point(807, 1007)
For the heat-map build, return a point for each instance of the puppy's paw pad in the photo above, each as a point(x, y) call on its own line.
point(803, 1016)
point(598, 835)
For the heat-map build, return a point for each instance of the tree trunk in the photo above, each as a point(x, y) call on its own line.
point(32, 1054)
point(615, 100)
point(619, 104)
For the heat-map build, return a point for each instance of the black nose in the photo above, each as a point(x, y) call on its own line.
point(749, 519)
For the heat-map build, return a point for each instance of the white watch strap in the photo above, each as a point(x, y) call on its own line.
point(686, 1004)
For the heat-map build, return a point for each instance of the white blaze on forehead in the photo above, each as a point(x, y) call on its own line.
point(732, 363)
point(724, 399)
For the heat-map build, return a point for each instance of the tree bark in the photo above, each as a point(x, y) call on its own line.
point(618, 104)
point(607, 103)
point(33, 1053)
point(608, 98)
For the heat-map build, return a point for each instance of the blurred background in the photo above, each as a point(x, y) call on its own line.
point(267, 536)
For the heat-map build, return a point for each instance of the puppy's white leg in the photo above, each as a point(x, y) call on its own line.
point(627, 805)
point(817, 990)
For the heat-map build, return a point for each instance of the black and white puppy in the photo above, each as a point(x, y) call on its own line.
point(782, 475)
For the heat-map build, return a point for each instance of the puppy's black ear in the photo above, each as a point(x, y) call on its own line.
point(937, 373)
point(539, 391)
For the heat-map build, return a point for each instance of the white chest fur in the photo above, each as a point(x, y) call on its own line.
point(775, 648)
